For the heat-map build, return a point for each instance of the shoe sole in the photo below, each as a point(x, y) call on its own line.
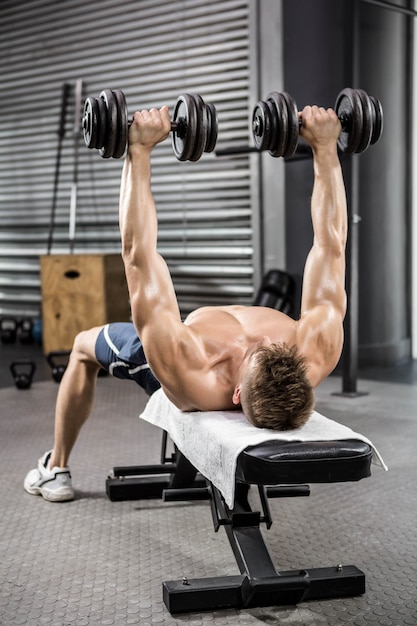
point(64, 495)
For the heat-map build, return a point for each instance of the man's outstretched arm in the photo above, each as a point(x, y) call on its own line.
point(155, 311)
point(323, 304)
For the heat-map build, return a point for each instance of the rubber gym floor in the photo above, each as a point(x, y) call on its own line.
point(92, 561)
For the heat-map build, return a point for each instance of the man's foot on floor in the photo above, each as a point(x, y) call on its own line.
point(53, 484)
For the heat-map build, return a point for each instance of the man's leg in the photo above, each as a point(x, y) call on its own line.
point(75, 396)
point(117, 349)
point(52, 478)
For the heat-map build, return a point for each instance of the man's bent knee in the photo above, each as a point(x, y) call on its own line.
point(84, 346)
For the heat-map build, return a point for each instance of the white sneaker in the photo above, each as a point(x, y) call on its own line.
point(53, 484)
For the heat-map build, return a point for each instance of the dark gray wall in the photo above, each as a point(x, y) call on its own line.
point(316, 67)
point(384, 286)
point(313, 74)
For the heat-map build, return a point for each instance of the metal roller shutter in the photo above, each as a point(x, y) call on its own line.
point(153, 50)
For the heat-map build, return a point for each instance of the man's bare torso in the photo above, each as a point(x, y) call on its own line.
point(227, 326)
point(224, 335)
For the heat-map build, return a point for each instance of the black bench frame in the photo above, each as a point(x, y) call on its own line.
point(288, 466)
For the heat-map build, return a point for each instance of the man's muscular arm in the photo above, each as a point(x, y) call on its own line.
point(323, 305)
point(153, 300)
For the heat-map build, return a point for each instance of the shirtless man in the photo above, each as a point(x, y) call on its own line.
point(222, 357)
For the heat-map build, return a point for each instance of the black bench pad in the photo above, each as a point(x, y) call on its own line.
point(273, 462)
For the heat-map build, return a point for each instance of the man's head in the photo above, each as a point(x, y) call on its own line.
point(274, 390)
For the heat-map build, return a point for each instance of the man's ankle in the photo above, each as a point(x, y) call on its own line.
point(55, 461)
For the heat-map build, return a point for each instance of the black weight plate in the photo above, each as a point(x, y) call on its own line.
point(90, 123)
point(185, 116)
point(280, 124)
point(212, 127)
point(261, 125)
point(273, 124)
point(110, 133)
point(378, 116)
point(122, 125)
point(349, 110)
point(101, 122)
point(368, 119)
point(199, 132)
point(293, 125)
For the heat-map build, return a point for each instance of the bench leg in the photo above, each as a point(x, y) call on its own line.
point(139, 482)
point(284, 588)
point(259, 583)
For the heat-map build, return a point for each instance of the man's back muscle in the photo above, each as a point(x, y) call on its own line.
point(223, 335)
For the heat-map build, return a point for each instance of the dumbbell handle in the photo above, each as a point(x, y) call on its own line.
point(175, 126)
point(344, 120)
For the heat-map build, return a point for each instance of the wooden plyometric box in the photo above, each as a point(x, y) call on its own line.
point(80, 291)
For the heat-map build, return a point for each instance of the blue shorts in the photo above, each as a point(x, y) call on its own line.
point(120, 352)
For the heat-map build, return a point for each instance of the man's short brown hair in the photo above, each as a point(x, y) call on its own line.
point(276, 392)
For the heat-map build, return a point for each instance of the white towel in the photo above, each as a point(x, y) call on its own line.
point(213, 440)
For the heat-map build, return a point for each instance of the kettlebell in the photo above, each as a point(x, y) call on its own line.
point(54, 360)
point(22, 372)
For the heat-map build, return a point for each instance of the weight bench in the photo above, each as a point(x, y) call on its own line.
point(280, 465)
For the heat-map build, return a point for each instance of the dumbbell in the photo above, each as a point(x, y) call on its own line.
point(276, 123)
point(105, 125)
